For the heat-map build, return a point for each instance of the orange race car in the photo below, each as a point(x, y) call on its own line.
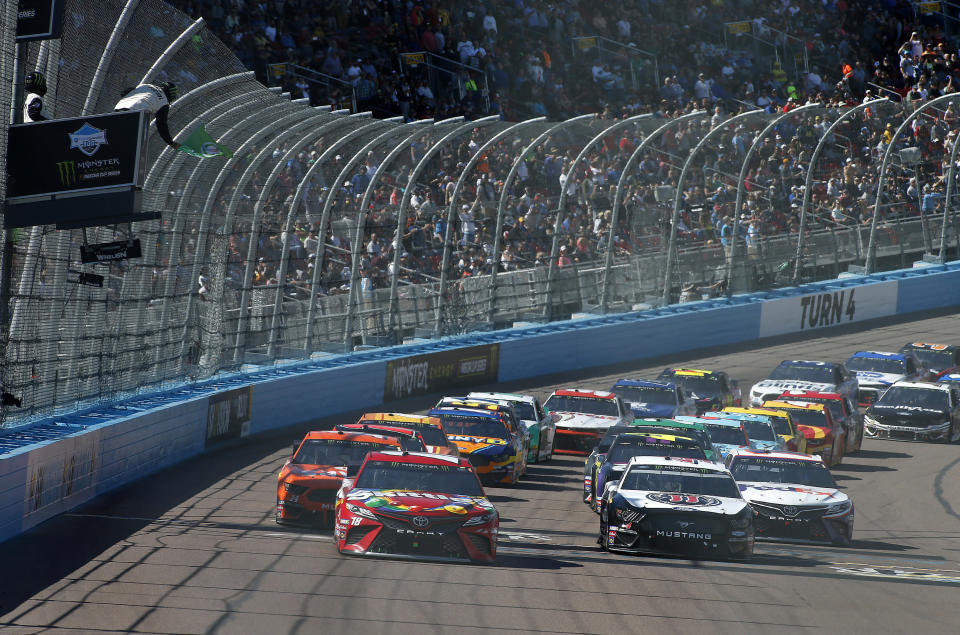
point(410, 440)
point(430, 428)
point(308, 483)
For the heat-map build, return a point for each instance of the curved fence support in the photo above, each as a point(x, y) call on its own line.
point(172, 49)
point(947, 209)
point(106, 58)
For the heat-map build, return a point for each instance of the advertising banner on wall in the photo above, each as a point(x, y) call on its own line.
point(440, 371)
point(60, 476)
point(228, 415)
point(830, 307)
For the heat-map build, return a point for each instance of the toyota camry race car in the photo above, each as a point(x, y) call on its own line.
point(513, 422)
point(916, 410)
point(936, 357)
point(583, 416)
point(485, 439)
point(825, 436)
point(667, 505)
point(653, 398)
point(540, 426)
point(410, 439)
point(794, 495)
point(804, 375)
point(308, 483)
point(417, 505)
point(430, 429)
point(878, 371)
point(709, 389)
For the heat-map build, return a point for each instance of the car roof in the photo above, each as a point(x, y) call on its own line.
point(580, 392)
point(505, 396)
point(420, 458)
point(748, 416)
point(805, 362)
point(931, 346)
point(472, 412)
point(692, 372)
point(798, 395)
point(359, 437)
point(646, 383)
point(633, 436)
point(719, 421)
point(786, 456)
point(669, 423)
point(678, 462)
point(399, 417)
point(878, 355)
point(475, 402)
point(949, 377)
point(796, 405)
point(921, 385)
point(408, 432)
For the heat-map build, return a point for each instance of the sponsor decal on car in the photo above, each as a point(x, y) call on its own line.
point(683, 499)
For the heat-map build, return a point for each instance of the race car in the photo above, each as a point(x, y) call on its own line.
point(710, 389)
point(429, 428)
point(936, 357)
point(841, 408)
point(419, 506)
point(877, 371)
point(725, 434)
point(696, 431)
point(513, 420)
point(676, 506)
point(583, 416)
point(309, 480)
point(540, 426)
point(484, 437)
point(824, 435)
point(782, 423)
point(653, 398)
point(916, 410)
point(794, 495)
point(804, 375)
point(949, 378)
point(410, 440)
point(630, 444)
point(760, 429)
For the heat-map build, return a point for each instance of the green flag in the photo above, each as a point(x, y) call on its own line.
point(201, 145)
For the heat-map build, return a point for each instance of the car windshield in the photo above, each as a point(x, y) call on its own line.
point(780, 424)
point(759, 431)
point(728, 435)
point(934, 359)
point(473, 425)
point(771, 470)
point(336, 452)
point(809, 417)
point(910, 397)
point(622, 452)
point(647, 394)
point(700, 385)
point(833, 405)
point(584, 405)
point(878, 365)
point(419, 477)
point(524, 411)
point(680, 480)
point(432, 435)
point(803, 372)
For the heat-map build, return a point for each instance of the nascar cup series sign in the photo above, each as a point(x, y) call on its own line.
point(829, 307)
point(435, 372)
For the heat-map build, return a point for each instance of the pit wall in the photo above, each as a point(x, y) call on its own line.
point(86, 454)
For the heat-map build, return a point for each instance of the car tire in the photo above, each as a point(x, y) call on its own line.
point(602, 538)
point(951, 432)
point(549, 456)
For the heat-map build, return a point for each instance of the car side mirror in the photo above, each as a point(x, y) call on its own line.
point(353, 470)
point(611, 489)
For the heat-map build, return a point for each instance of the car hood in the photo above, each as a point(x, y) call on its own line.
point(813, 433)
point(585, 421)
point(643, 409)
point(686, 502)
point(783, 385)
point(305, 471)
point(468, 444)
point(758, 444)
point(872, 378)
point(394, 502)
point(906, 415)
point(787, 494)
point(725, 448)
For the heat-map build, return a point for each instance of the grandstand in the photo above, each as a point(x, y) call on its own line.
point(547, 176)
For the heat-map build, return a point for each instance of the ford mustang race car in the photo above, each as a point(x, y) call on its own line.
point(916, 410)
point(630, 444)
point(430, 428)
point(782, 423)
point(308, 483)
point(710, 389)
point(667, 505)
point(794, 495)
point(540, 426)
point(653, 398)
point(760, 430)
point(583, 416)
point(804, 375)
point(825, 436)
point(935, 357)
point(417, 505)
point(485, 439)
point(841, 409)
point(725, 434)
point(878, 371)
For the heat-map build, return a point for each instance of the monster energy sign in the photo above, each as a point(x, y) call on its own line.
point(75, 171)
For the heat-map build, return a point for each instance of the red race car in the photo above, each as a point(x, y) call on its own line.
point(308, 483)
point(824, 435)
point(841, 408)
point(419, 506)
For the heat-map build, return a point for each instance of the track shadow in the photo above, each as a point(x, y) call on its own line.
point(859, 467)
point(878, 545)
point(514, 561)
point(496, 498)
point(844, 477)
point(882, 454)
point(549, 478)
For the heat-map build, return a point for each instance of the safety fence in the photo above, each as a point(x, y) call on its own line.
point(329, 231)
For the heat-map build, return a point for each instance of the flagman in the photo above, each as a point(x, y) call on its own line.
point(155, 100)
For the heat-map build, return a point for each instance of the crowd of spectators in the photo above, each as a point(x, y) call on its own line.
point(522, 50)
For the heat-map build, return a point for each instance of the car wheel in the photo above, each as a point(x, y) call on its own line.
point(550, 453)
point(602, 538)
point(951, 433)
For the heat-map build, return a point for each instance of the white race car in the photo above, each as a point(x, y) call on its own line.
point(539, 424)
point(794, 495)
point(878, 371)
point(582, 416)
point(795, 374)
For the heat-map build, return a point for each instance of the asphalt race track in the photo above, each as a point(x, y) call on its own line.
point(195, 549)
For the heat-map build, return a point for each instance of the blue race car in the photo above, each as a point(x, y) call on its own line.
point(726, 434)
point(877, 371)
point(760, 430)
point(654, 398)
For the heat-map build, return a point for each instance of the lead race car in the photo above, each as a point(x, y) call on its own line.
point(916, 410)
point(792, 374)
point(876, 371)
point(668, 505)
point(794, 495)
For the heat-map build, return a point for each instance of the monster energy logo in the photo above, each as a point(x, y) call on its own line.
point(68, 172)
